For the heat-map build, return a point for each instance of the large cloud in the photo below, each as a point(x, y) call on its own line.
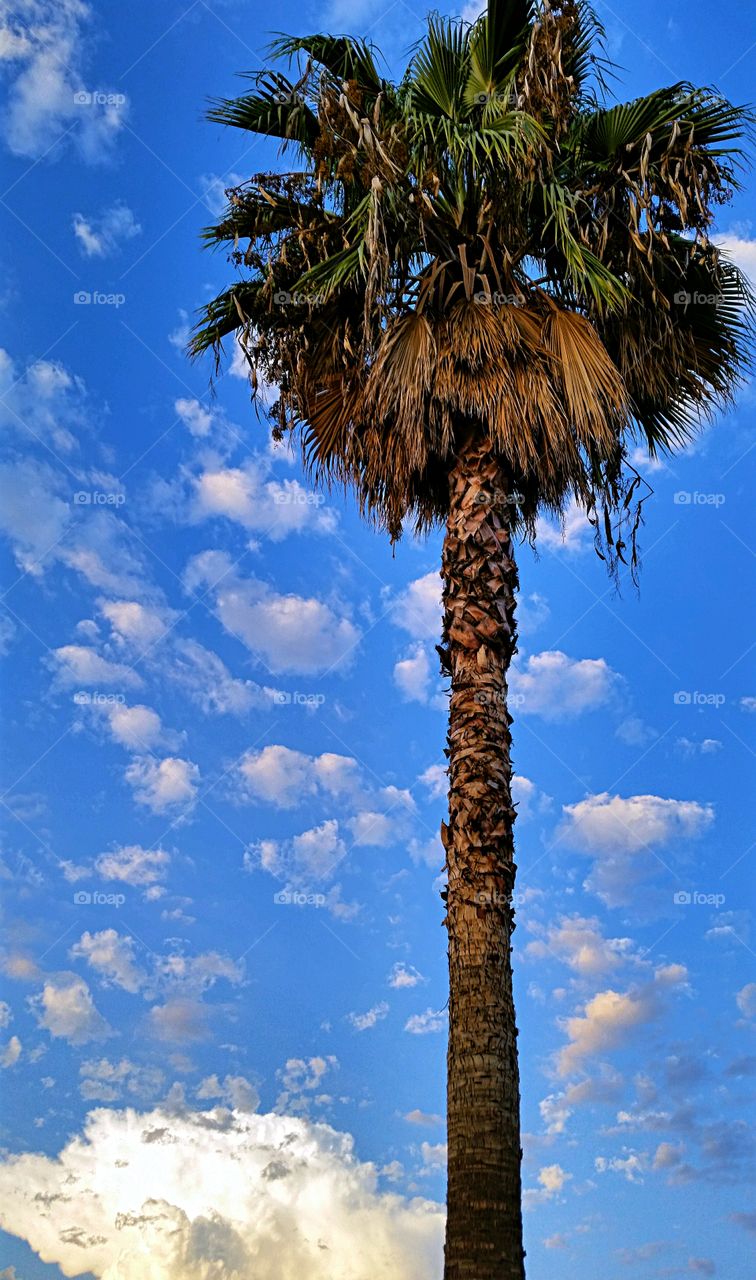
point(204, 1195)
point(557, 687)
point(624, 834)
point(41, 46)
point(286, 632)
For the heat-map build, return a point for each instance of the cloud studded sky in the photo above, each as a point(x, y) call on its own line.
point(222, 1026)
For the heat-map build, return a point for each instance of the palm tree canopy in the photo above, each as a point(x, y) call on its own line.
point(486, 246)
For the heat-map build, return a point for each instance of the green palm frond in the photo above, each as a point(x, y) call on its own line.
point(277, 109)
point(345, 57)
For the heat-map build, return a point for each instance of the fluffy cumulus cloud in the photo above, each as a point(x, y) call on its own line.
point(196, 1195)
point(284, 777)
point(76, 665)
point(164, 785)
point(287, 778)
point(557, 687)
point(417, 609)
point(66, 1009)
point(102, 236)
point(305, 864)
point(285, 632)
point(578, 942)
point(413, 675)
point(249, 497)
point(133, 865)
point(610, 1018)
point(624, 835)
point(111, 956)
point(49, 95)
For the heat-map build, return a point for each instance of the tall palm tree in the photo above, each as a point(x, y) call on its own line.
point(475, 290)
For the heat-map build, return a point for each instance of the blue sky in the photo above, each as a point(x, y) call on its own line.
point(224, 969)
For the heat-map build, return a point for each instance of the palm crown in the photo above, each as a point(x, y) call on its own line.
point(484, 247)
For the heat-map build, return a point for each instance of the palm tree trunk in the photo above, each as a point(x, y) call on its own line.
point(484, 1219)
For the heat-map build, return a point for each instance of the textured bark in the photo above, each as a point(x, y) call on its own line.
point(484, 1220)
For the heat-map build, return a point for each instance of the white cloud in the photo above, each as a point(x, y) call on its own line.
point(579, 942)
point(552, 1179)
point(261, 505)
point(106, 1081)
point(41, 53)
point(235, 1091)
point(423, 1118)
point(283, 777)
point(66, 1009)
point(556, 687)
point(404, 975)
point(631, 1166)
point(529, 800)
point(746, 1000)
point(610, 1018)
point(131, 864)
point(135, 626)
point(6, 1015)
point(166, 1187)
point(76, 665)
point(308, 858)
point(572, 534)
point(101, 237)
point(412, 675)
point(436, 779)
point(417, 609)
point(532, 612)
point(208, 682)
point(111, 955)
point(165, 784)
point(422, 1024)
point(365, 1021)
point(137, 728)
point(741, 250)
point(622, 834)
point(286, 632)
point(10, 1053)
point(196, 418)
point(689, 747)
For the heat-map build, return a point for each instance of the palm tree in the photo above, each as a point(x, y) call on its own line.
point(475, 291)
